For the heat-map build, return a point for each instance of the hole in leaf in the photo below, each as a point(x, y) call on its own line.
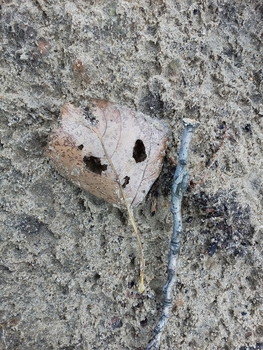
point(139, 153)
point(94, 164)
point(80, 147)
point(126, 181)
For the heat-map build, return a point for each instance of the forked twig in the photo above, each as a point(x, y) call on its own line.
point(180, 183)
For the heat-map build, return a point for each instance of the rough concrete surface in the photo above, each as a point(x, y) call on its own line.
point(69, 262)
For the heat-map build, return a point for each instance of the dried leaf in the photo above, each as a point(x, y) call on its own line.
point(111, 151)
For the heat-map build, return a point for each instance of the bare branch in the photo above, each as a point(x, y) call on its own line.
point(180, 183)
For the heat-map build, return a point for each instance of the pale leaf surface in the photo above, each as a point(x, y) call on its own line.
point(110, 151)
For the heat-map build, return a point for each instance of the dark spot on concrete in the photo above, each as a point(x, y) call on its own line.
point(152, 103)
point(247, 128)
point(225, 220)
point(144, 323)
point(28, 225)
point(212, 249)
point(116, 322)
point(131, 284)
point(96, 277)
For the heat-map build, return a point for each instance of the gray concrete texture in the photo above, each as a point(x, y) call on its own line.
point(69, 261)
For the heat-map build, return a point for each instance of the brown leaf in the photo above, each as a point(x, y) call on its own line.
point(111, 151)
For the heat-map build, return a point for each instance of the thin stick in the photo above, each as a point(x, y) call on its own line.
point(180, 183)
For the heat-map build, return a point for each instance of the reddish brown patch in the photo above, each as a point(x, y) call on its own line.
point(78, 66)
point(43, 46)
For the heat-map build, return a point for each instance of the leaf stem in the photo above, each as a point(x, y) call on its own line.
point(138, 236)
point(180, 183)
point(136, 230)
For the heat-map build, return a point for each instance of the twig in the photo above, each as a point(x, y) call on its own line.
point(180, 183)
